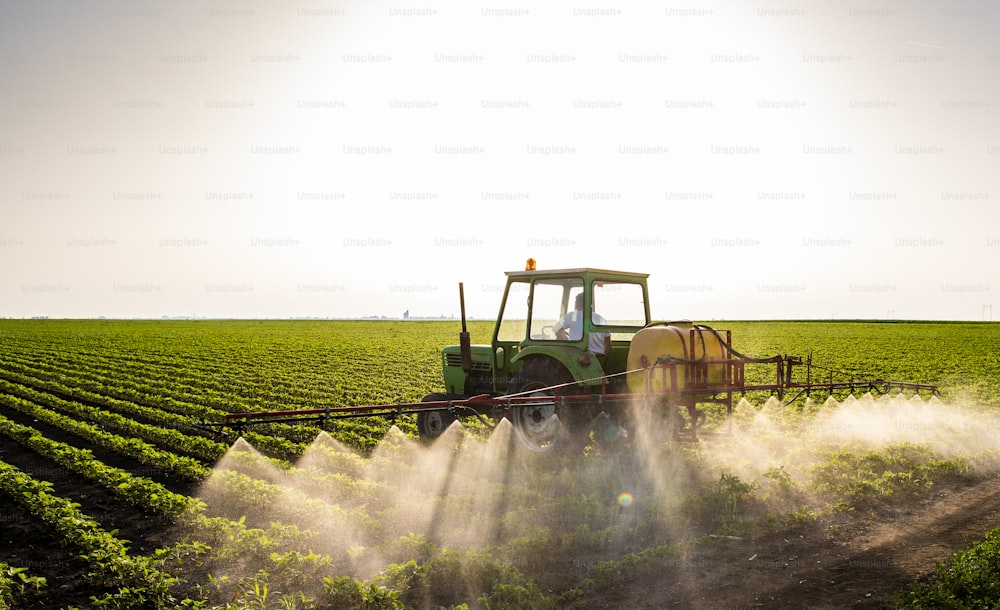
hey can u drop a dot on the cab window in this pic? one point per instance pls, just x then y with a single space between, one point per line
619 304
551 300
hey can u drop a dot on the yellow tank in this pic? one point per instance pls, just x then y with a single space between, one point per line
674 339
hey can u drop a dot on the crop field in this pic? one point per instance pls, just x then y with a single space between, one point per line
112 497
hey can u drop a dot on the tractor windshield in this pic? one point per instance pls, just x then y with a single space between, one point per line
619 304
551 300
541 306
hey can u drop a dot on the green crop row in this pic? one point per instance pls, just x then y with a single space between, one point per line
126 445
256 496
291 363
133 580
142 386
133 396
118 412
107 388
283 440
17 586
137 491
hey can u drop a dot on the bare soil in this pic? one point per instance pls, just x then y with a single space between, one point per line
847 561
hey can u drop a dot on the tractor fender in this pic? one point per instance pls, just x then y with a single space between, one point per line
580 364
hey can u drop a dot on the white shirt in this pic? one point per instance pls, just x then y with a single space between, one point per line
572 322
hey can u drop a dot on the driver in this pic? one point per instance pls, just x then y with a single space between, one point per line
570 328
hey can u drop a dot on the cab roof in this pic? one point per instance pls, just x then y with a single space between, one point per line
575 271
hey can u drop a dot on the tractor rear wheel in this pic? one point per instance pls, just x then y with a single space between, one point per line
430 424
544 427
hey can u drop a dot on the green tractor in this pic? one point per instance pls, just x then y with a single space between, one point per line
558 331
574 353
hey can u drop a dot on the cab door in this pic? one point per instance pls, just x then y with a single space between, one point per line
511 329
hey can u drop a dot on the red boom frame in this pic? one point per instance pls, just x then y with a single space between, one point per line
697 389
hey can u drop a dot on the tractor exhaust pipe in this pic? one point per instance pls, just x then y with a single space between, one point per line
465 344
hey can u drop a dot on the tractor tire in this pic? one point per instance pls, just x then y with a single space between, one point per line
545 428
431 424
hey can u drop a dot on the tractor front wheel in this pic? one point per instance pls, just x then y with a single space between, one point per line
430 424
542 427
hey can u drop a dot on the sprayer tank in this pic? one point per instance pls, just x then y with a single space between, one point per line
684 344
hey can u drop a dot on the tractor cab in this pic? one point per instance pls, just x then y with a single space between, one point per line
580 321
582 318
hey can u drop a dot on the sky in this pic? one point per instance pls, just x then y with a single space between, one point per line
765 160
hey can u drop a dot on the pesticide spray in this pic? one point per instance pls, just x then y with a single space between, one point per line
564 514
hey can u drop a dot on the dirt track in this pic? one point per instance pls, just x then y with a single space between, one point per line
843 562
